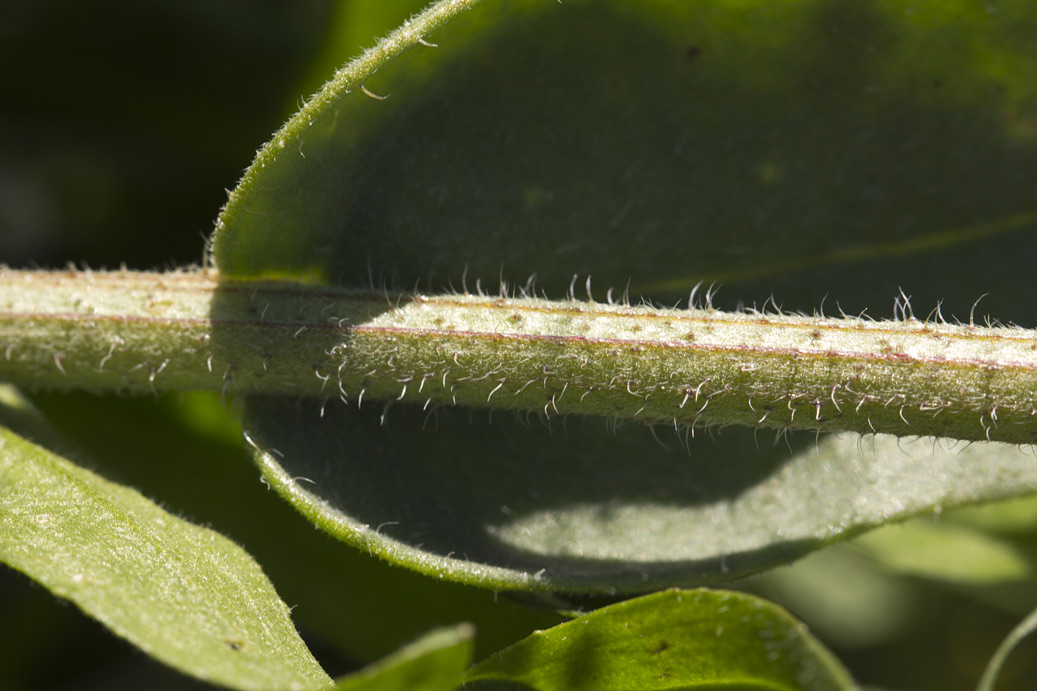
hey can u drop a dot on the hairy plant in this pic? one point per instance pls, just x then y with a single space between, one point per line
459 301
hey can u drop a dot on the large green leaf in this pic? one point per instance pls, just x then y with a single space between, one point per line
799 149
672 640
789 149
184 594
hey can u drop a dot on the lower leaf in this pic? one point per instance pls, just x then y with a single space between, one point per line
183 594
672 640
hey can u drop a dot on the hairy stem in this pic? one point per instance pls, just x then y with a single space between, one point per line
144 332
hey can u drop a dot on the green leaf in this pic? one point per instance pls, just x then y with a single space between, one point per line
790 149
847 601
697 639
1012 518
434 662
515 505
947 552
183 594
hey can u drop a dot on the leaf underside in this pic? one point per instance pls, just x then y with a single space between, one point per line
517 505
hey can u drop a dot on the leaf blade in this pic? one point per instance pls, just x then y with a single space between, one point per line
183 594
672 640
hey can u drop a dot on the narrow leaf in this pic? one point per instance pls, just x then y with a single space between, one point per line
435 662
672 640
183 594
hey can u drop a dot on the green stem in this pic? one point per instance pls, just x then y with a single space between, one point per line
1023 629
180 331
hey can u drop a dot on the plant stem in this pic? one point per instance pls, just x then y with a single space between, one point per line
142 332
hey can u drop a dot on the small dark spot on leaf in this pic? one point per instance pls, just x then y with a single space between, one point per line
234 644
815 335
690 336
691 53
661 648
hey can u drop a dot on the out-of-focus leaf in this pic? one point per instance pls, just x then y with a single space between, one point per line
983 553
511 506
1015 517
846 599
947 552
435 662
698 639
185 595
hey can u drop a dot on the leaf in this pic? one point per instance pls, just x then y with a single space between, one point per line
795 150
1015 517
671 640
183 594
513 505
792 151
847 601
434 662
947 552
